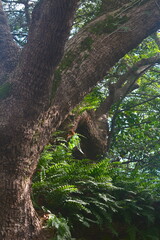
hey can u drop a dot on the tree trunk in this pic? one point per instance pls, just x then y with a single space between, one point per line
29 112
24 122
18 217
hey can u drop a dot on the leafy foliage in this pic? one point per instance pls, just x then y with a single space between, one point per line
61 226
135 137
95 194
88 10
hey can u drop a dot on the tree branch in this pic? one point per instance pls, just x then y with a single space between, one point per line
118 93
27 14
105 48
145 101
9 51
50 25
126 83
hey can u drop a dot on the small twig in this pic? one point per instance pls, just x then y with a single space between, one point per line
148 100
157 4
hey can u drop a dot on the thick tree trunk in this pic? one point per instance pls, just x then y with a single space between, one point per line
18 217
27 114
24 123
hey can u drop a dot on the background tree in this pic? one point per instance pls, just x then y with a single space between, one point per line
33 102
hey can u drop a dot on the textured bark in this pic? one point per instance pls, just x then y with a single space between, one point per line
28 97
27 115
109 5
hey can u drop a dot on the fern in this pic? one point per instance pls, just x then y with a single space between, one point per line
61 226
102 194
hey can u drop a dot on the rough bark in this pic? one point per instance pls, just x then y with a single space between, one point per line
26 98
27 114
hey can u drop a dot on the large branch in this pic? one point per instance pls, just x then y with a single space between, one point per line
8 49
49 30
92 52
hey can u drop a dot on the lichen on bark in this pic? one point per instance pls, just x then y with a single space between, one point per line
109 25
5 90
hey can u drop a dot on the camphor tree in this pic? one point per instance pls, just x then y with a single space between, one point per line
44 81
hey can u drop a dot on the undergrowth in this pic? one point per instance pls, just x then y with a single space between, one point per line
81 195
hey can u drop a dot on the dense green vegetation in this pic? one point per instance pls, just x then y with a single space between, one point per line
119 202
